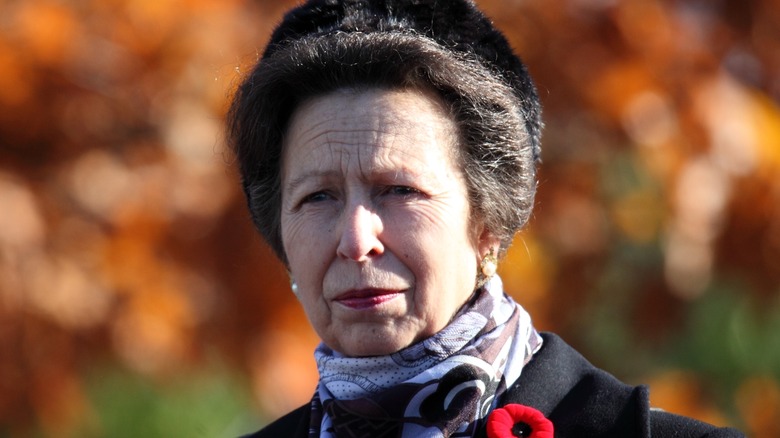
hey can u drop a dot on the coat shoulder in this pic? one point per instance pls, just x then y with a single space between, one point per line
665 424
584 401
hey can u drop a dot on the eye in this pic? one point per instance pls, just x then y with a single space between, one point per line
402 190
315 197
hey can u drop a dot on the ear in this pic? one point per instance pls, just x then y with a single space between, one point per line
487 243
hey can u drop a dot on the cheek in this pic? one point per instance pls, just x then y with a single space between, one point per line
442 251
437 227
299 229
294 232
307 246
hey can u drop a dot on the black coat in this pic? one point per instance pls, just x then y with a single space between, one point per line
581 401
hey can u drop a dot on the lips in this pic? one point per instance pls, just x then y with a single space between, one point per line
367 298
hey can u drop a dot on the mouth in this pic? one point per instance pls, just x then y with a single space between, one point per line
361 299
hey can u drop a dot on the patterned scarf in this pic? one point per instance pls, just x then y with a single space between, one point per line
440 387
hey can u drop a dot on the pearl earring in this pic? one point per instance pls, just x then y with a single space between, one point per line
487 268
293 285
488 265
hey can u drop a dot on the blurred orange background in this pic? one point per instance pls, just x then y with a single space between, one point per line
136 299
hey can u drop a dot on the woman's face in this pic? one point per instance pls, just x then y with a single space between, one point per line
375 219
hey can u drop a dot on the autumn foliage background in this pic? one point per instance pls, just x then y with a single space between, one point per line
136 300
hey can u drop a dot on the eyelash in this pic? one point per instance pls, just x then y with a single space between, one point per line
314 197
402 190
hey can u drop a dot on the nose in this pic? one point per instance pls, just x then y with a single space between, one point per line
360 235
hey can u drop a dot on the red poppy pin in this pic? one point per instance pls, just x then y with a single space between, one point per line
515 420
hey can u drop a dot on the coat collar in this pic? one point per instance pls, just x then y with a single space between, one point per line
580 399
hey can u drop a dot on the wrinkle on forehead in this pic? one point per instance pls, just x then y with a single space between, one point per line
341 135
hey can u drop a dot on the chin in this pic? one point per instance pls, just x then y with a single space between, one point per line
371 351
371 347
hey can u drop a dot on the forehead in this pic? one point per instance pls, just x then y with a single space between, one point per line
372 128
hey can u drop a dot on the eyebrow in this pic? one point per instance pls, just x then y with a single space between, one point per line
382 174
299 180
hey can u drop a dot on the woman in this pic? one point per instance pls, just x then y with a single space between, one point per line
387 151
